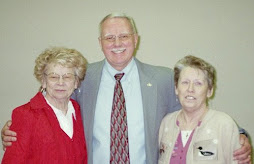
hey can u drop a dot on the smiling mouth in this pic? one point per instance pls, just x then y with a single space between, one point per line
118 51
190 98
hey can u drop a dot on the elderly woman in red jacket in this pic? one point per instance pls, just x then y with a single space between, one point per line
49 127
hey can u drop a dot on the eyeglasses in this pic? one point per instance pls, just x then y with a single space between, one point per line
112 38
54 77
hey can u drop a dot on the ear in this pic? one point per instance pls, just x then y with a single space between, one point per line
100 42
76 83
209 93
43 82
176 92
136 39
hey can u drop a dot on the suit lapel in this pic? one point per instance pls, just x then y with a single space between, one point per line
149 97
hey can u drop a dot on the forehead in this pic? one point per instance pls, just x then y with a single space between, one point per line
58 68
119 25
192 73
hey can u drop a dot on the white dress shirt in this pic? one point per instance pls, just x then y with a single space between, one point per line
135 119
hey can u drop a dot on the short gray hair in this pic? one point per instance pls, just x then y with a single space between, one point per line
118 15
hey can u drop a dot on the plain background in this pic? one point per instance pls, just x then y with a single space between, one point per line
219 31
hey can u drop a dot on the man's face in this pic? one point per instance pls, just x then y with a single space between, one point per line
118 51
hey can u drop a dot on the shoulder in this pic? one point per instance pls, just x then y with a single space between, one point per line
158 69
93 74
162 75
170 117
95 65
27 111
24 109
75 104
22 117
221 119
221 116
168 123
94 68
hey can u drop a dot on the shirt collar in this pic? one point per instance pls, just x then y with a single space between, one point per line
58 112
112 71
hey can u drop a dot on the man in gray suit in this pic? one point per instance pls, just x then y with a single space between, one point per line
148 90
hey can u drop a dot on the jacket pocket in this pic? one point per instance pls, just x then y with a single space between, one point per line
205 150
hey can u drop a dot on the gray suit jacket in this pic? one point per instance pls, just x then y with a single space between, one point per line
158 96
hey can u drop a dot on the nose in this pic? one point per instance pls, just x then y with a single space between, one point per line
60 80
191 87
117 41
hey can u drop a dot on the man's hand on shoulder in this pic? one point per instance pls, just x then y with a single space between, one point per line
243 154
7 135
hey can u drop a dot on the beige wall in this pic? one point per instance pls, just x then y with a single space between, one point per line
221 32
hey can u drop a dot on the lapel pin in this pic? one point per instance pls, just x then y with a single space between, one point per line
149 84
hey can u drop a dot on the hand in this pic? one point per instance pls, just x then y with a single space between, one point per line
7 135
243 154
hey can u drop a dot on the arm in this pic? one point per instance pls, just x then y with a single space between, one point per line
230 140
160 132
7 135
22 124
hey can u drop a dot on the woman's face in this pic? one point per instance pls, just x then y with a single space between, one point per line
60 82
193 89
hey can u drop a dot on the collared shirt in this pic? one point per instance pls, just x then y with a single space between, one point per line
65 121
134 107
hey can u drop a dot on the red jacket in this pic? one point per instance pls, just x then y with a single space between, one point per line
40 138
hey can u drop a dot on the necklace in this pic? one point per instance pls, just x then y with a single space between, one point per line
185 134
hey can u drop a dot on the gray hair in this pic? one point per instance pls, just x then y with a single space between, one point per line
118 15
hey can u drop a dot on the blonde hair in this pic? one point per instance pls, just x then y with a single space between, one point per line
66 57
198 63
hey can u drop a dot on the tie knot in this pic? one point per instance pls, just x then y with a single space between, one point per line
119 76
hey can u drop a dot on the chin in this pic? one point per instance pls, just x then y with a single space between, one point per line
189 108
60 97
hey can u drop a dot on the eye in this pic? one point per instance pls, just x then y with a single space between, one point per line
123 37
198 83
184 82
66 77
109 38
53 76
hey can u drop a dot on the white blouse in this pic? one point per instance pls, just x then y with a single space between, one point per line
65 121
